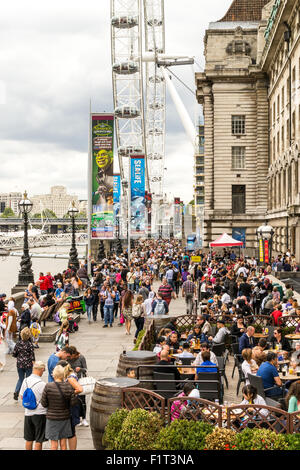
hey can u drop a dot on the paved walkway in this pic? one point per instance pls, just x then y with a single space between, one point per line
101 348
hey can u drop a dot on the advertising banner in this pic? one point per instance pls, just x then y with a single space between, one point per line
117 203
267 260
177 229
138 202
102 218
240 235
261 251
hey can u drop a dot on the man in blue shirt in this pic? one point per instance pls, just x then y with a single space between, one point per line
63 355
270 377
246 340
206 362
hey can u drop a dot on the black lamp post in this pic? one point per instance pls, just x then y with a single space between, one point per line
25 274
73 255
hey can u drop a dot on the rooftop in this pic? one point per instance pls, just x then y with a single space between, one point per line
233 24
245 10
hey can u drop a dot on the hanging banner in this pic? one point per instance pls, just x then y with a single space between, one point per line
102 217
148 197
177 229
138 202
117 204
267 260
261 251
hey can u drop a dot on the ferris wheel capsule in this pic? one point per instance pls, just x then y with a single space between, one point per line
127 112
124 22
129 150
125 68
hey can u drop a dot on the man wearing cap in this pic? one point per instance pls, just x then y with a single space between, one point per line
221 334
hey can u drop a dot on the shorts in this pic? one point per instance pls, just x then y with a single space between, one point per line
34 428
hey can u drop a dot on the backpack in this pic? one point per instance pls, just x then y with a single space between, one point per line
29 398
137 311
160 308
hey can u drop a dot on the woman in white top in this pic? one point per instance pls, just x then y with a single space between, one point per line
148 303
249 366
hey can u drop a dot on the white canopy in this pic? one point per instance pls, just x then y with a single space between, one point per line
225 240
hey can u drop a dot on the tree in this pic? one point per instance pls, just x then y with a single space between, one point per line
8 212
36 216
49 213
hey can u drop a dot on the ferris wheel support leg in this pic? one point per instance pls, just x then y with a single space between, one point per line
183 114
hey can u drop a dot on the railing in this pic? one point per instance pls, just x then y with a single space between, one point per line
133 398
237 417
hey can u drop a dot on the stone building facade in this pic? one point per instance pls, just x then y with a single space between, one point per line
57 201
280 61
234 93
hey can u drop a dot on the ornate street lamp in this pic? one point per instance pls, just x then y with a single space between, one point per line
265 237
25 274
73 255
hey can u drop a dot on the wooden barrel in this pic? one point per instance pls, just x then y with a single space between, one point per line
106 398
133 359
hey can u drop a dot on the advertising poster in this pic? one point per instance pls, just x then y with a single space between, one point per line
267 260
117 203
177 219
240 235
102 223
138 202
261 251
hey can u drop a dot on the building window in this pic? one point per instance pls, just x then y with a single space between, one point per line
282 139
238 124
200 179
238 158
293 125
238 199
199 160
200 200
199 170
282 98
278 106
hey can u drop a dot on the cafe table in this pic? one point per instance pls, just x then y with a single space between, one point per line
260 335
294 336
288 376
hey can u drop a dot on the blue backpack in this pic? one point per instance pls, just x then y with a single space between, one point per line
29 398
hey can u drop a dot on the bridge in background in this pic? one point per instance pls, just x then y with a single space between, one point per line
49 225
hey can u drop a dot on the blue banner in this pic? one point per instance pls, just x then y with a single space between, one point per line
138 201
239 234
117 203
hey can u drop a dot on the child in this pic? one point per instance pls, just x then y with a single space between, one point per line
36 330
130 373
62 337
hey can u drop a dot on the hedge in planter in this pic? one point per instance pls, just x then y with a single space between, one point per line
183 435
293 441
139 430
220 439
113 428
260 439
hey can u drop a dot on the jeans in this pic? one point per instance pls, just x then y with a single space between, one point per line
10 342
131 287
22 374
95 311
171 283
89 310
139 323
108 314
189 301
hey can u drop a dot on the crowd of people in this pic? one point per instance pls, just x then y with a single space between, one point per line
220 289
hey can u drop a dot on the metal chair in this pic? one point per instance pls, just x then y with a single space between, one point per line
222 366
257 382
218 349
210 386
242 378
165 389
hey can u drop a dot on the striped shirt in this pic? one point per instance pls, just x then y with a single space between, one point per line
165 291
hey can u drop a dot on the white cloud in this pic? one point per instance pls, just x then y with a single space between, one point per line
54 57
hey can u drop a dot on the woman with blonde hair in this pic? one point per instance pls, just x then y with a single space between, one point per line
58 397
71 377
249 366
24 352
63 312
138 313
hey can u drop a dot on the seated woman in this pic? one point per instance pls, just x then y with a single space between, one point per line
196 334
238 328
280 342
249 366
293 398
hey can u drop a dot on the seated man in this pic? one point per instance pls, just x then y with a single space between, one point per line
199 359
164 361
246 341
270 377
221 334
173 342
206 362
186 352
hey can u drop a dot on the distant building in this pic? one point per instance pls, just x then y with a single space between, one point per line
57 201
199 165
10 200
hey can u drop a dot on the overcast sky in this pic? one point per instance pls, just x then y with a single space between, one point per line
54 57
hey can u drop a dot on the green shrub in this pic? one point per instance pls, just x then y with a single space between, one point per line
113 428
182 434
139 430
139 340
293 441
220 439
260 439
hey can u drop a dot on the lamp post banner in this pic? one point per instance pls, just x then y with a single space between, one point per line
261 251
102 138
117 202
267 260
138 201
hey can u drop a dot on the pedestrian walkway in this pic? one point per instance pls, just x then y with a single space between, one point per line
101 348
